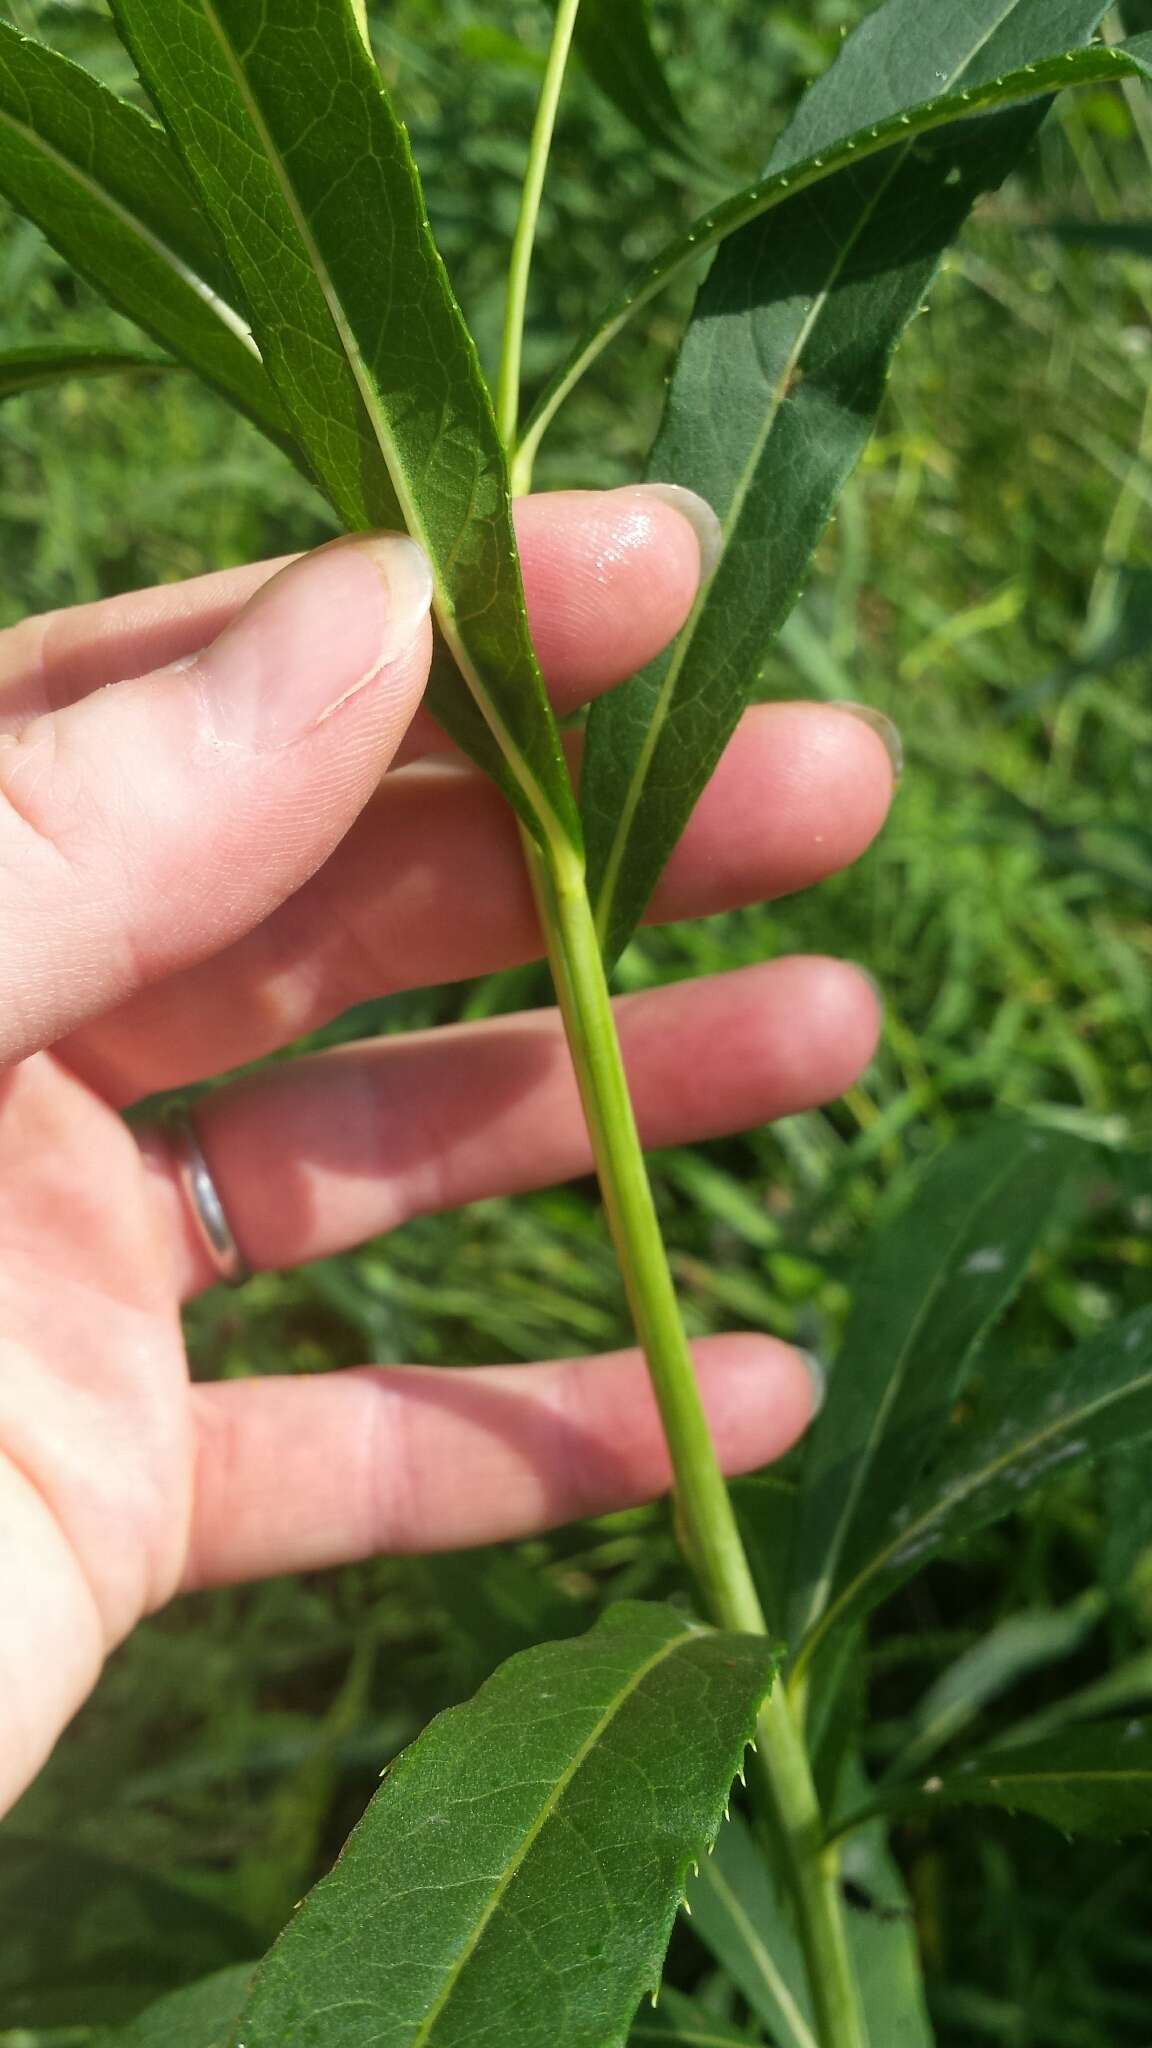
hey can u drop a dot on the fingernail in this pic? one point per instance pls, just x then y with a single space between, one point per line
700 516
879 723
312 638
819 1378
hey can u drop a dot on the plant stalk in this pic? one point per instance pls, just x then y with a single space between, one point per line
524 240
711 1536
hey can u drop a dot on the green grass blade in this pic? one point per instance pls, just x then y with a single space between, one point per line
1095 1400
787 359
1092 1781
28 369
517 1876
101 181
307 173
928 1291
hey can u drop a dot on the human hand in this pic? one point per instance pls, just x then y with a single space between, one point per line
198 867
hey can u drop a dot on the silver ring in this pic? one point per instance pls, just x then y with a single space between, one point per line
203 1198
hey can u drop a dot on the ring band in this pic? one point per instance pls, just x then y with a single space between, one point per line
203 1198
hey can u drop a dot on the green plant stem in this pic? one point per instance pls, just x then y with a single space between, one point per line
711 1536
524 240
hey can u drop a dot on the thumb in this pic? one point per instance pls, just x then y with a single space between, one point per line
154 822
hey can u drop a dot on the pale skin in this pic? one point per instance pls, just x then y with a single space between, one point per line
199 866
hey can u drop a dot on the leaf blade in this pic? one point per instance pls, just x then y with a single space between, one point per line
32 368
786 360
615 43
502 1807
1098 1397
929 1289
324 222
1094 1781
102 184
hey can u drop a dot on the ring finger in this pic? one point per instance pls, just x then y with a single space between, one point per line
316 1156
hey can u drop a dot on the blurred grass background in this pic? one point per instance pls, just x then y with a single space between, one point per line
989 584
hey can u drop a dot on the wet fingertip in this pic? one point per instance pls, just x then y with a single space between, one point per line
885 729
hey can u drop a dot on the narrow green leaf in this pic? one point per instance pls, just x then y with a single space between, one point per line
306 171
780 378
517 1875
27 369
677 2022
102 183
928 1290
1091 1781
614 40
1036 1423
1017 1646
87 1940
200 2016
1120 237
738 1915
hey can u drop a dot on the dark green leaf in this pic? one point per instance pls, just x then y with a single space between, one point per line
1036 1423
738 1913
517 1875
1090 1781
27 369
1021 1644
778 385
927 1293
102 182
200 2016
84 1939
614 39
1125 237
323 218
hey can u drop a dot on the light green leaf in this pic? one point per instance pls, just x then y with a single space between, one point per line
517 1875
27 369
928 1290
200 2016
614 40
781 375
1036 1423
85 1939
1022 1644
1127 1688
1091 1781
102 183
738 1913
678 2023
307 173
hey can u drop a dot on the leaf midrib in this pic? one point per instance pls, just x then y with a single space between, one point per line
226 314
732 516
962 1490
389 448
804 2037
532 1834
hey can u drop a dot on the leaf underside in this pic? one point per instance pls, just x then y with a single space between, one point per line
516 1878
308 176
